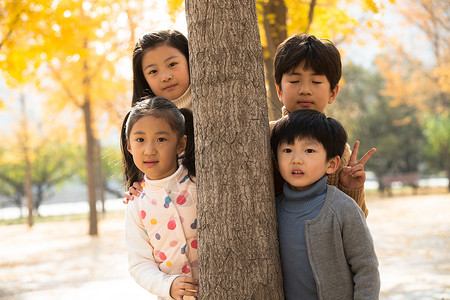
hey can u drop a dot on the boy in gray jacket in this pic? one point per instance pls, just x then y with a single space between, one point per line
326 248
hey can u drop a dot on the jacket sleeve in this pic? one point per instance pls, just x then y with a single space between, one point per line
358 195
141 262
360 252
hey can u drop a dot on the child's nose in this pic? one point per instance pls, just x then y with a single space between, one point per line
304 89
150 149
167 75
297 159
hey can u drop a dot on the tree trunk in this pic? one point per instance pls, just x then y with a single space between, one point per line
238 246
26 154
275 31
90 148
100 186
90 168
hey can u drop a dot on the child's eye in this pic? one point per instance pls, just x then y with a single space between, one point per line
309 151
173 64
317 82
294 81
287 150
160 140
152 72
139 140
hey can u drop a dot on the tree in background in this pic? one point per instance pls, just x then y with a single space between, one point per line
54 162
238 248
420 86
369 117
324 18
397 135
72 51
359 90
12 174
437 132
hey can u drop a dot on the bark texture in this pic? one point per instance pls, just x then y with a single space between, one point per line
274 22
238 246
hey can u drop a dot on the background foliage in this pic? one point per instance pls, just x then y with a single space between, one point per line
76 55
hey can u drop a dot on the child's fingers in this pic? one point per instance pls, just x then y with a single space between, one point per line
366 156
189 287
190 280
189 284
353 171
189 293
359 174
138 186
133 191
346 170
184 286
354 154
127 197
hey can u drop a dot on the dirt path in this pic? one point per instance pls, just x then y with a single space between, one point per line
60 261
412 239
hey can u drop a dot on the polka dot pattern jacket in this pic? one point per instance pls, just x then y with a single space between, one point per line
161 233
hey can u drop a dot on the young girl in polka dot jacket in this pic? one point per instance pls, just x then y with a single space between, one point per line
161 225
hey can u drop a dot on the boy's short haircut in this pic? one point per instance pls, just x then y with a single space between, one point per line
309 123
318 54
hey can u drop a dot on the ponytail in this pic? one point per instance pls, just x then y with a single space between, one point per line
188 158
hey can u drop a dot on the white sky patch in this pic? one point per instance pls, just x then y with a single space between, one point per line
363 48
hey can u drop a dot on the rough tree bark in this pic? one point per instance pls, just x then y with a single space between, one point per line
274 22
238 246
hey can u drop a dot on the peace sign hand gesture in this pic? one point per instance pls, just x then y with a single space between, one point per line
352 176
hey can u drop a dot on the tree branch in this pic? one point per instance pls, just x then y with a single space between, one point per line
11 27
312 5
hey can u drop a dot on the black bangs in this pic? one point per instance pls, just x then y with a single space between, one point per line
308 123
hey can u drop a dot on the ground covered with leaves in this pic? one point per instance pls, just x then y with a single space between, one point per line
58 260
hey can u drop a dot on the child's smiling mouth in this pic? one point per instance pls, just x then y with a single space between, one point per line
170 87
150 163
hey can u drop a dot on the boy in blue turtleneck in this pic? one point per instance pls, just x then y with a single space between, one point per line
326 248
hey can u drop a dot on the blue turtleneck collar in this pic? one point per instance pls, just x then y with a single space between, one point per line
307 199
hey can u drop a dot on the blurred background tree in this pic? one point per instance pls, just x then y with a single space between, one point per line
76 55
423 87
54 161
70 50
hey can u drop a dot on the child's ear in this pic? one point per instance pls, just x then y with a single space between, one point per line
182 144
333 94
333 164
129 148
279 93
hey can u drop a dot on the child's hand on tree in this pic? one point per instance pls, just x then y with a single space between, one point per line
183 286
352 176
134 190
